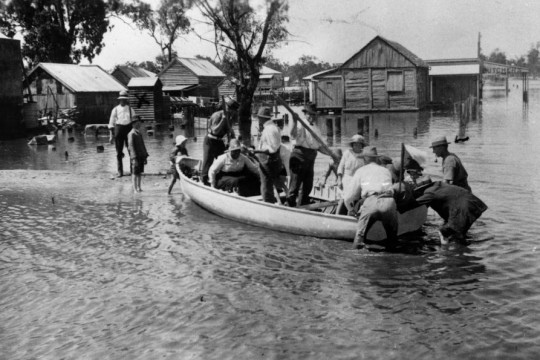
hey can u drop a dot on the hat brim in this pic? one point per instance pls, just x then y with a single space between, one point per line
264 117
440 144
234 149
123 98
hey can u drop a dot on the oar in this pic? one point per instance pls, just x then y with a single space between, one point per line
334 156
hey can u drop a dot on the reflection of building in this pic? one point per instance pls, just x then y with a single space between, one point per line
382 76
146 98
124 73
191 77
63 86
11 98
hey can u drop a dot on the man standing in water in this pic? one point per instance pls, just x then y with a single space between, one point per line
119 127
453 171
302 159
219 126
373 184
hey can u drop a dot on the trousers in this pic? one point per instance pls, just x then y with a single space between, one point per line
301 164
376 208
120 140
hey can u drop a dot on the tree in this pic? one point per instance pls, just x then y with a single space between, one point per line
307 65
165 25
533 57
62 31
243 34
497 56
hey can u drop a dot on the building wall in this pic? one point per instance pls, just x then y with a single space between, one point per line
147 102
329 93
208 87
176 75
11 99
227 88
378 55
95 108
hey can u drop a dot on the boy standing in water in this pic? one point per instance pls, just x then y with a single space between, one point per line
137 153
179 150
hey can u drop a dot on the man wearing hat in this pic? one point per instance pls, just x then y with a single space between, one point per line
453 171
119 127
302 160
458 207
372 183
219 126
234 170
268 154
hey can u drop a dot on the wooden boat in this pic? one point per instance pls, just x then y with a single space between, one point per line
298 221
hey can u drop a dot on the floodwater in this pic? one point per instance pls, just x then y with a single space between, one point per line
154 276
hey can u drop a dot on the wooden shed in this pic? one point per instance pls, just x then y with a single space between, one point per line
385 76
146 98
124 73
191 77
11 93
454 80
64 86
326 89
227 88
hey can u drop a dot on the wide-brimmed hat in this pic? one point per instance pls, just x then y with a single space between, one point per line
441 140
265 112
234 145
123 95
357 138
309 109
423 183
370 152
180 139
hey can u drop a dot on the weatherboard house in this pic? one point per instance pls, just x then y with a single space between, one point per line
382 76
64 86
191 77
146 98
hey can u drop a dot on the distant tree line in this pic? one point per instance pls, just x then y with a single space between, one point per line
531 60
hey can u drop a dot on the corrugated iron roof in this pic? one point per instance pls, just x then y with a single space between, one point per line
135 71
312 76
143 81
180 87
81 78
201 67
267 71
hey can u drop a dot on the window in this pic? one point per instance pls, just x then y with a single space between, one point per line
394 81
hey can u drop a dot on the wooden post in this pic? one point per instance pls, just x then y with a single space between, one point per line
366 128
337 127
330 131
360 126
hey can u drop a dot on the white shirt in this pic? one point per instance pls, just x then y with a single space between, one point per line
225 163
350 162
120 116
367 180
270 137
303 137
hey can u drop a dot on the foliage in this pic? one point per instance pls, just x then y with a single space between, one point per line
165 25
305 66
62 31
497 56
244 33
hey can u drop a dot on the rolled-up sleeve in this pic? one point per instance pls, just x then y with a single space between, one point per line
216 167
113 118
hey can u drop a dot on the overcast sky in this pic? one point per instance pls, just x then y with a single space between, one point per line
334 30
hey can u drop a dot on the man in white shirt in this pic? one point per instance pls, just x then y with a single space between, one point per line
119 127
373 184
234 171
302 159
268 154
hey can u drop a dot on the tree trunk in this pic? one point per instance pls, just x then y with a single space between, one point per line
245 101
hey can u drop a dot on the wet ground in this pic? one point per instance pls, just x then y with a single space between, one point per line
90 270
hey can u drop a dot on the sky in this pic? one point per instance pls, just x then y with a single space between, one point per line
334 30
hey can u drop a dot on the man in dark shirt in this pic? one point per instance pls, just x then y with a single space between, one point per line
219 126
458 207
453 171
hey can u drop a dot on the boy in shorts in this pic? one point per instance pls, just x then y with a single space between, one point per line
137 154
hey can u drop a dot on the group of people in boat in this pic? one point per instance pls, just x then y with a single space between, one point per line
374 187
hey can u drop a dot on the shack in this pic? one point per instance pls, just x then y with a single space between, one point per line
124 73
146 98
227 88
89 88
326 89
11 93
191 77
385 76
454 80
269 79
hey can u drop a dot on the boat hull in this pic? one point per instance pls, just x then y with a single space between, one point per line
290 220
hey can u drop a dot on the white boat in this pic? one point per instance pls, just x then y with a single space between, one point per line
298 221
